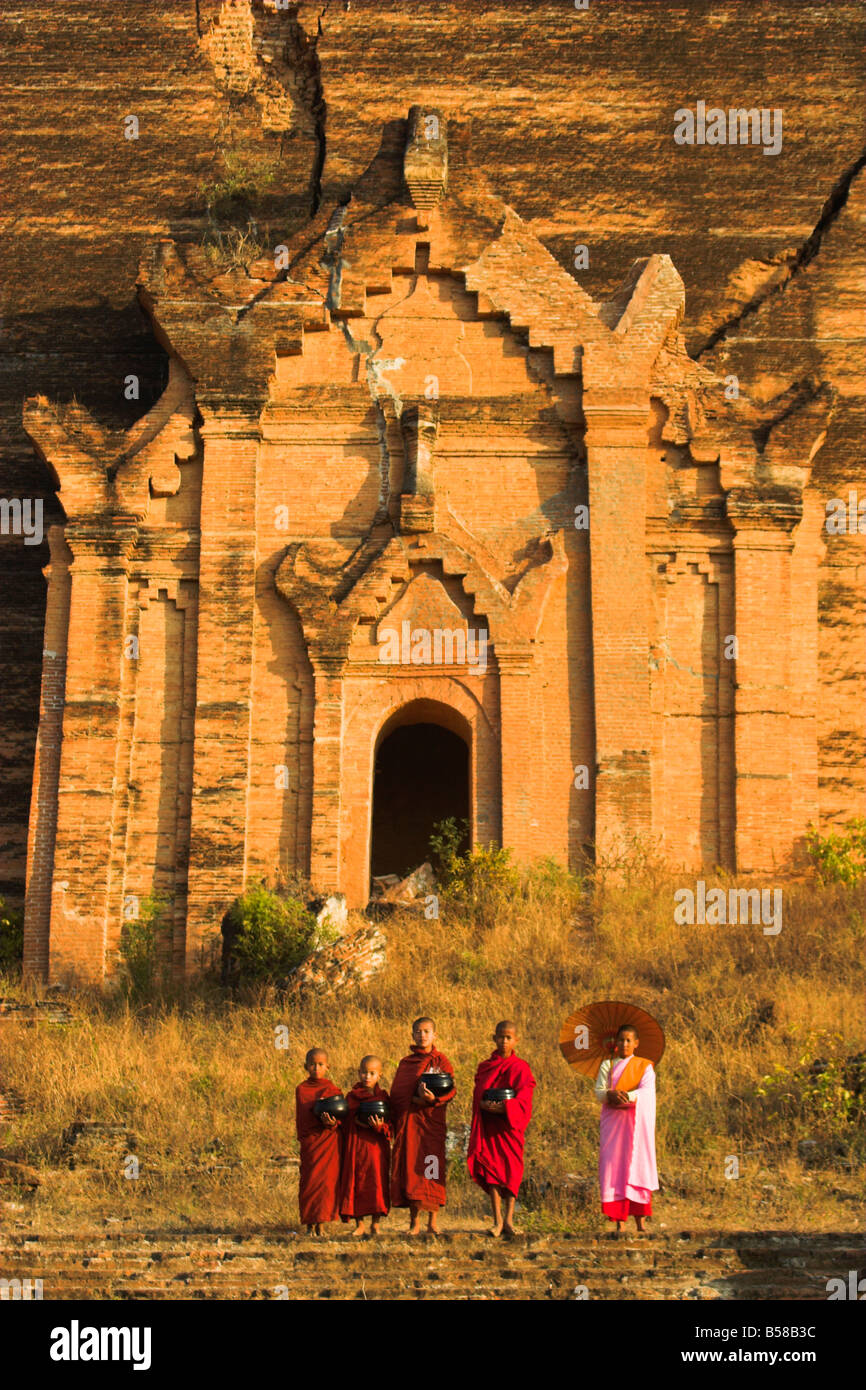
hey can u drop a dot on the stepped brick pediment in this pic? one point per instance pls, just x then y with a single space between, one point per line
358 267
314 581
423 604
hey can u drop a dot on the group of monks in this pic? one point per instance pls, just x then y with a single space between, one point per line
356 1168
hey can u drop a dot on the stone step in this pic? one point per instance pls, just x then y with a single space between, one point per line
347 1268
346 1265
220 1241
347 1253
461 1265
386 1283
509 1257
386 1288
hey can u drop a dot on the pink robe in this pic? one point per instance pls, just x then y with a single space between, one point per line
627 1161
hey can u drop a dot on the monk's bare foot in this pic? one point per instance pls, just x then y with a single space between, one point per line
414 1229
494 1232
311 1230
639 1224
432 1227
374 1230
360 1229
509 1233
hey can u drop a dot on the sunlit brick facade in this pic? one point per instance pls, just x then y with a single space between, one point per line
412 414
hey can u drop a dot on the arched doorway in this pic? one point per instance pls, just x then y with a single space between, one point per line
421 776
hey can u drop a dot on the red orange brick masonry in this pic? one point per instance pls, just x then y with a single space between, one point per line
423 418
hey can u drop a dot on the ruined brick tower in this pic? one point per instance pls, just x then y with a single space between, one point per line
412 421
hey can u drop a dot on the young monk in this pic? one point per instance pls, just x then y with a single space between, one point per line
418 1166
627 1175
496 1140
320 1139
364 1185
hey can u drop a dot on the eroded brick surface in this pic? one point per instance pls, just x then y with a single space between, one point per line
402 428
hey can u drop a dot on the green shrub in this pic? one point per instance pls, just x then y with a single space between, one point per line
269 934
546 881
839 858
480 883
449 840
470 968
826 1094
146 971
245 182
11 937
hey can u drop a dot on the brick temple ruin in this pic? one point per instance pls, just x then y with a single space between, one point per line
411 419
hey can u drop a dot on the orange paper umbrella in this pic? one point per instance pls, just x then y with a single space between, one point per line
588 1036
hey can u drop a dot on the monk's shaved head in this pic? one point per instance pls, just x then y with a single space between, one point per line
505 1037
371 1061
313 1053
423 1034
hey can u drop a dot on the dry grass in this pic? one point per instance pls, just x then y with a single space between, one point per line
209 1097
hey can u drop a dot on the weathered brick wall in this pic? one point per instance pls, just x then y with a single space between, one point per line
571 114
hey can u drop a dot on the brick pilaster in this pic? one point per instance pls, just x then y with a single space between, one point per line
762 718
42 828
88 765
326 858
616 440
521 748
226 626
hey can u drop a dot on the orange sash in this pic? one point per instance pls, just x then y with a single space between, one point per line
632 1073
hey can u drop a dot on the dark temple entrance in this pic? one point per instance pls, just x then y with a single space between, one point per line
421 776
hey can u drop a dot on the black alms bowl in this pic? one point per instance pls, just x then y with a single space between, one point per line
337 1106
499 1093
366 1108
439 1082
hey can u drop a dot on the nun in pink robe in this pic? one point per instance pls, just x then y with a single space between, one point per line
627 1160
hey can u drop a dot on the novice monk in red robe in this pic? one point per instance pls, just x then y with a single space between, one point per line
495 1155
364 1184
418 1167
320 1139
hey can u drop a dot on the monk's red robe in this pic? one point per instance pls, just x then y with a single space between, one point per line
418 1165
319 1180
364 1184
495 1154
